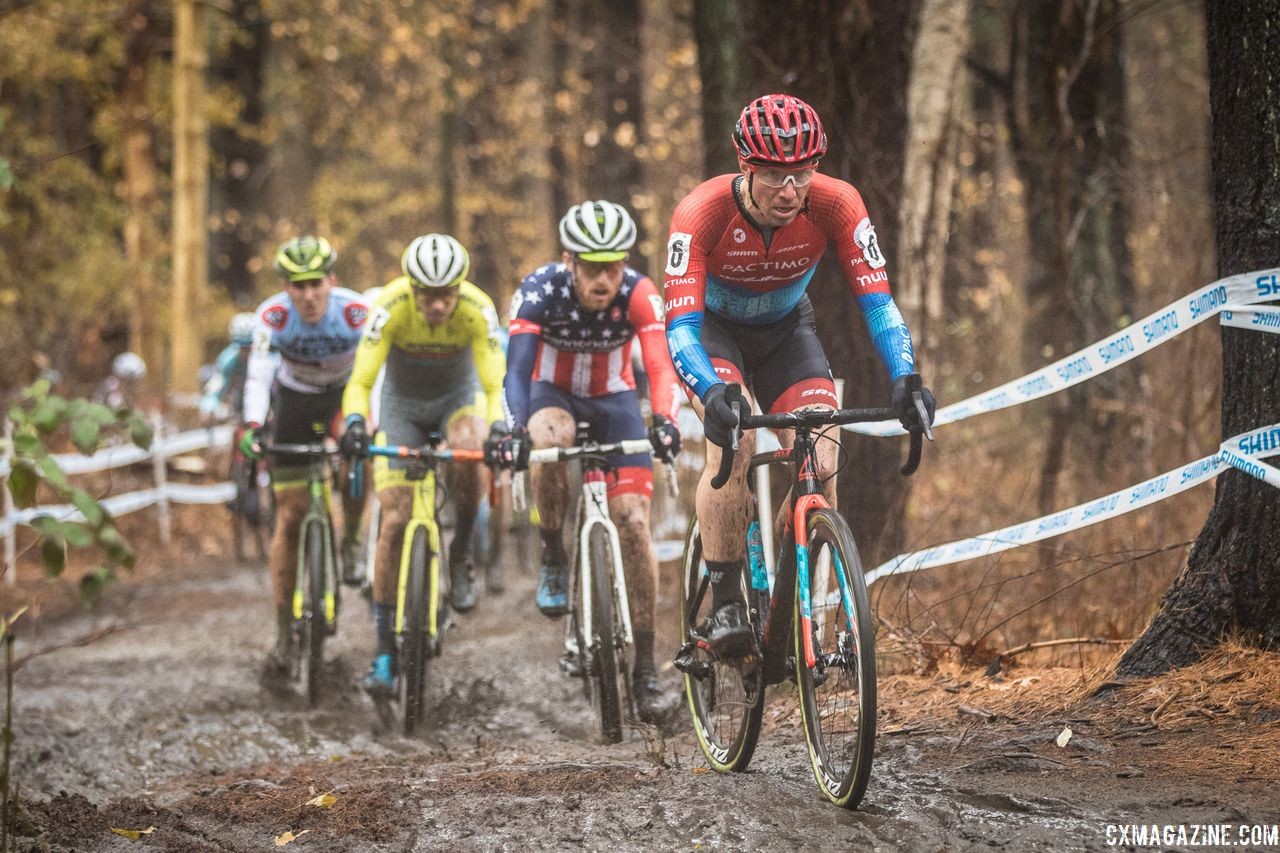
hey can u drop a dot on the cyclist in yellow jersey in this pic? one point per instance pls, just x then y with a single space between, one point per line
437 334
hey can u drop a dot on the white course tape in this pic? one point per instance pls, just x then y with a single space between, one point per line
1257 319
1241 451
1128 343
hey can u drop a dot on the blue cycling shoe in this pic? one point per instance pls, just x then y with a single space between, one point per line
380 683
552 599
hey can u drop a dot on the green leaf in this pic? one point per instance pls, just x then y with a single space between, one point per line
28 444
115 547
23 480
85 434
18 415
101 414
46 525
89 508
77 534
38 390
140 431
53 551
48 414
92 584
53 475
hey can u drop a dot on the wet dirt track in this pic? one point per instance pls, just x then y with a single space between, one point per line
163 724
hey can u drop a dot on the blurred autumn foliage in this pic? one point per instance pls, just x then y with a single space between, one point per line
1038 173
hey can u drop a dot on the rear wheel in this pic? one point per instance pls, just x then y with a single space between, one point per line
726 698
413 648
314 627
606 656
838 694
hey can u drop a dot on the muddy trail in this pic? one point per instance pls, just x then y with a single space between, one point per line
160 722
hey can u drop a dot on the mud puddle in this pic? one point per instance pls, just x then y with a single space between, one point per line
161 723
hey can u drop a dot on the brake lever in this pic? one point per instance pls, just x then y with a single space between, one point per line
922 412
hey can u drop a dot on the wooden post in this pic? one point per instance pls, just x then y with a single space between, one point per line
190 194
10 537
160 466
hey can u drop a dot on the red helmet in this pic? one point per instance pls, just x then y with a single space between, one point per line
779 130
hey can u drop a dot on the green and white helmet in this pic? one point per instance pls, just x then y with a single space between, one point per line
435 260
305 258
598 231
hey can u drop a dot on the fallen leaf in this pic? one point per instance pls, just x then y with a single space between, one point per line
702 770
133 834
288 837
323 801
1064 737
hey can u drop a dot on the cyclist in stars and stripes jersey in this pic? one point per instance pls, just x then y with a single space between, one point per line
569 360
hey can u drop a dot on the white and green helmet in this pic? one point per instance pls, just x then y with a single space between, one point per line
305 258
435 260
598 231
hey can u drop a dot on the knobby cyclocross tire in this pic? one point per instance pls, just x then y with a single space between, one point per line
313 613
727 702
413 648
605 654
837 696
240 478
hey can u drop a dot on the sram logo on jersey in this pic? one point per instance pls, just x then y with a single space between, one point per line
355 314
678 253
275 316
865 236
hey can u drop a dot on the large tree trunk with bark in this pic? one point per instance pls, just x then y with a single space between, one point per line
1231 582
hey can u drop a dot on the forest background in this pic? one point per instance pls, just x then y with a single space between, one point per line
1038 173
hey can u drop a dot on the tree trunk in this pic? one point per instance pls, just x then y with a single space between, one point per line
239 158
1231 582
935 96
138 163
1066 117
718 29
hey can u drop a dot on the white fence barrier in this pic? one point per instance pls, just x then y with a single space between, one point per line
163 448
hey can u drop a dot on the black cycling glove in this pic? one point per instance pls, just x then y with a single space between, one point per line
719 421
665 438
905 408
355 441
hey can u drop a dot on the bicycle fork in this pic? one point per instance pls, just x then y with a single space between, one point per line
316 514
595 504
422 516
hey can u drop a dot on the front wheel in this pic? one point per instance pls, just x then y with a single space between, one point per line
726 698
606 655
415 639
314 627
838 690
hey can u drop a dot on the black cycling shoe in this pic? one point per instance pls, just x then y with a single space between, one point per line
462 585
652 703
729 631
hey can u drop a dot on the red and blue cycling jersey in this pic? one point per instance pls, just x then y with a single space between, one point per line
586 353
719 261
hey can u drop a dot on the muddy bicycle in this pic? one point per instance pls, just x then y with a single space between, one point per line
419 601
598 635
315 599
815 626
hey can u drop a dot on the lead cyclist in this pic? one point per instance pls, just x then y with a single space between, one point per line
741 252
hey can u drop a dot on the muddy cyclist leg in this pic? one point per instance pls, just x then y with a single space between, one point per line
552 427
467 482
